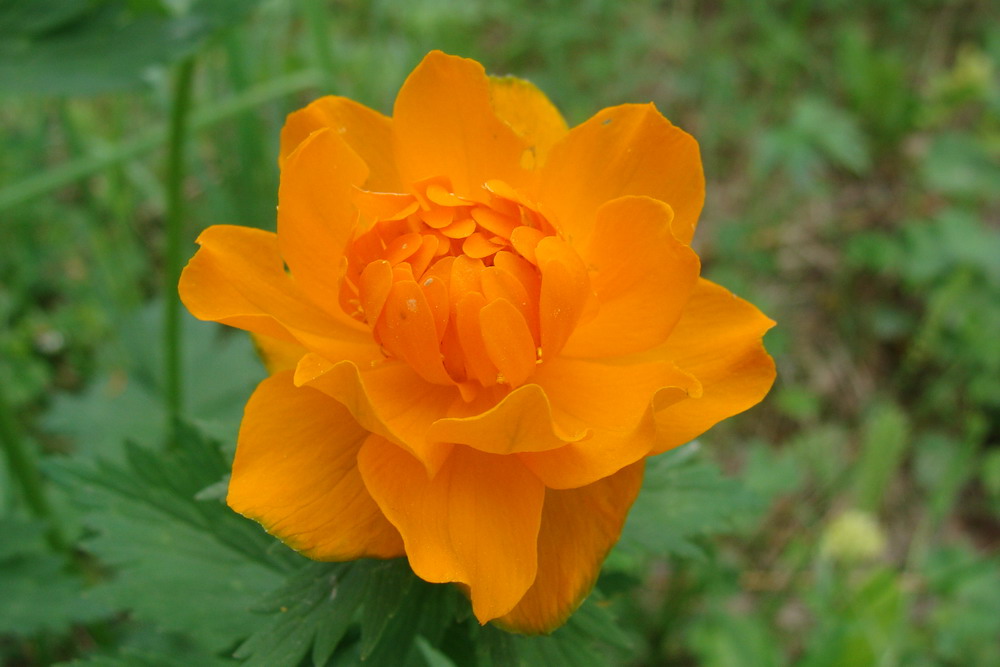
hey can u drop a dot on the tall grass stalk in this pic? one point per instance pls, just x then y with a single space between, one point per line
172 342
22 467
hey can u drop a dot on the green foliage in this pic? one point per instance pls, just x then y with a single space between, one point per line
208 565
965 591
883 446
684 499
852 154
61 48
30 572
125 400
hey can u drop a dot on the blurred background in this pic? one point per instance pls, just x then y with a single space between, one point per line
852 155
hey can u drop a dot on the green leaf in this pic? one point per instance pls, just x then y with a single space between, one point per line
965 590
590 637
398 607
103 46
683 499
313 611
726 639
887 432
372 610
174 656
432 656
185 565
220 371
40 593
961 165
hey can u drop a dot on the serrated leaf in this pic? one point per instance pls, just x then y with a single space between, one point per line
683 499
312 612
39 592
186 566
494 648
399 607
389 585
590 637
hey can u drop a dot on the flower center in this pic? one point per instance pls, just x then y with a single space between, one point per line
451 285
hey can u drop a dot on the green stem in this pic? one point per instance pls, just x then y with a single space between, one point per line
317 16
24 470
83 167
176 144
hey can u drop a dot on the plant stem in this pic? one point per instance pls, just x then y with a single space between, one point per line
88 165
176 144
317 16
23 469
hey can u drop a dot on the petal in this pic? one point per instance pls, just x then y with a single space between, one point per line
316 214
623 150
408 330
520 422
389 399
444 125
476 522
278 355
296 472
367 132
237 278
642 275
579 527
508 341
565 293
718 340
530 113
616 403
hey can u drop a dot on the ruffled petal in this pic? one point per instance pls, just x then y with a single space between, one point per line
237 278
521 422
389 399
579 527
616 404
316 214
476 522
367 132
444 125
625 150
718 340
530 113
642 275
296 472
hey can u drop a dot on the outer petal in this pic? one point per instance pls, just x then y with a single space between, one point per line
475 523
579 527
367 132
718 340
389 399
526 109
444 125
278 355
317 217
623 150
642 275
237 278
616 403
296 473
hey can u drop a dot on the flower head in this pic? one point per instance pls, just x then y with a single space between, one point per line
479 324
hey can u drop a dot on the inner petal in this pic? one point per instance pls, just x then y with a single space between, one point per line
456 288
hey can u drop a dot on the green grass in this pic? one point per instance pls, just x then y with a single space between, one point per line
852 152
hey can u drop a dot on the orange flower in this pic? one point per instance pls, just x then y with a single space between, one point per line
479 324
